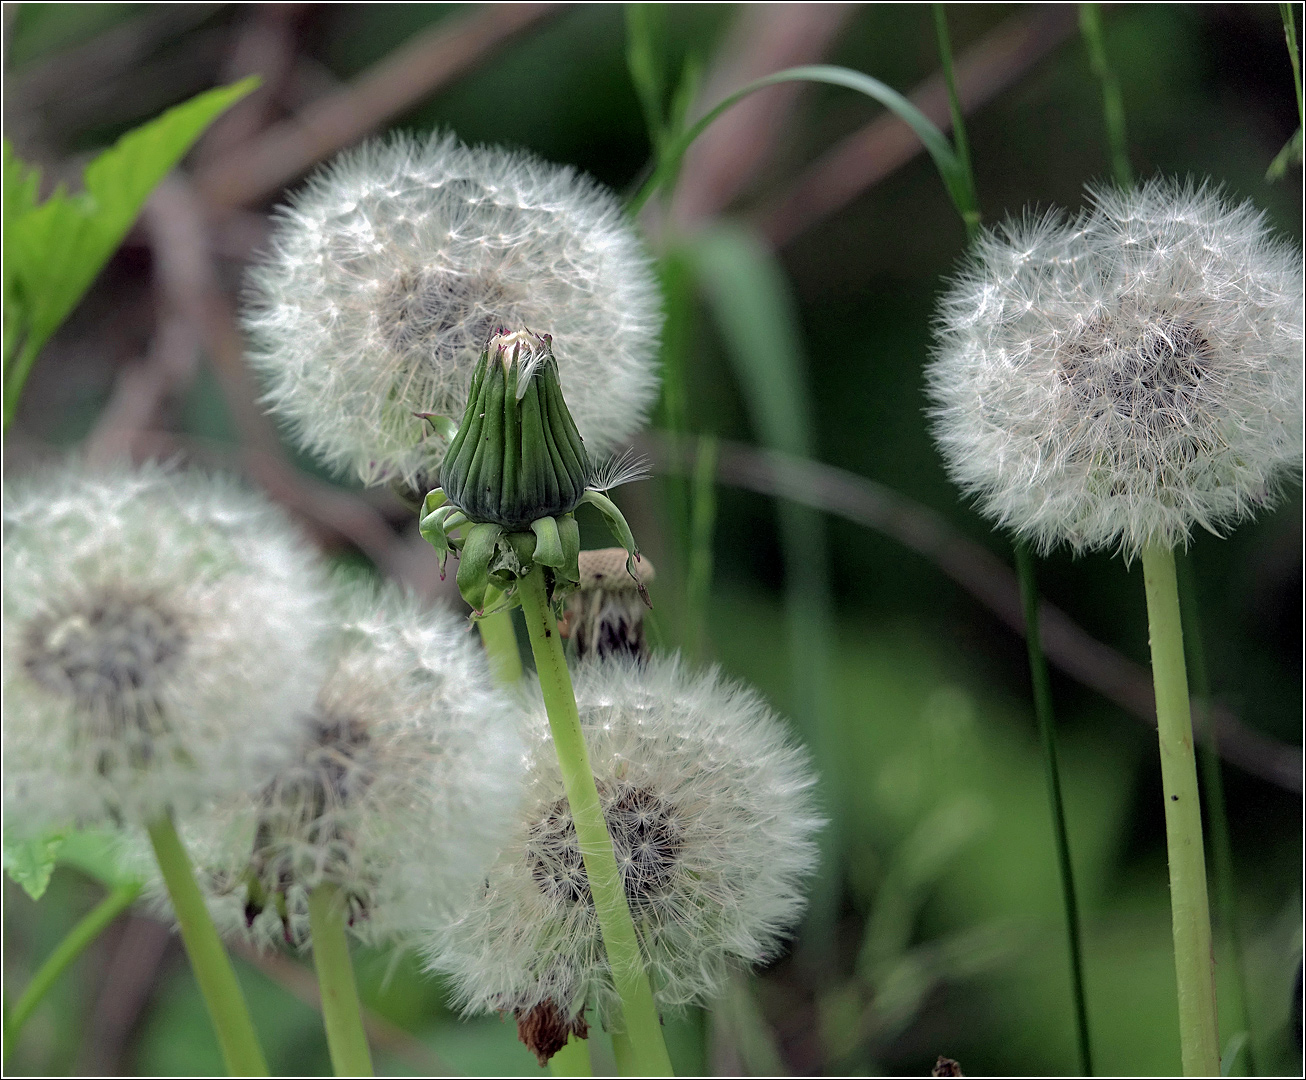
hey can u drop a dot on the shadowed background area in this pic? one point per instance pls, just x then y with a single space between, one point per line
938 928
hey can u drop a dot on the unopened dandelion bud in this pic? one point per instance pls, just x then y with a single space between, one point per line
161 633
605 615
710 810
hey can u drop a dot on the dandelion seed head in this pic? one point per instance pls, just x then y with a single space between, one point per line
712 820
1115 379
394 265
403 785
160 632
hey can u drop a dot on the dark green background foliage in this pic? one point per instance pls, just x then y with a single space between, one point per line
948 935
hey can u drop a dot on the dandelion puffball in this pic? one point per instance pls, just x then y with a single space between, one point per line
712 819
402 789
1113 380
160 633
392 267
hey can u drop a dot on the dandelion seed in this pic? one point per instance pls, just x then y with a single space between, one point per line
403 787
1113 380
160 634
393 266
711 815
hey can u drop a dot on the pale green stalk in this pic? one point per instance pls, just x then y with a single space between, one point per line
573 1059
702 521
1194 970
1289 13
88 928
1113 107
500 641
642 1024
208 959
342 1014
624 1052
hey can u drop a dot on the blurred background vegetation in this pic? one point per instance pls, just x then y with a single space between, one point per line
938 929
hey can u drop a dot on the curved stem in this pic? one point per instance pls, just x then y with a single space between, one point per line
88 928
1038 672
342 1015
1113 108
500 641
573 1059
208 959
1194 971
642 1025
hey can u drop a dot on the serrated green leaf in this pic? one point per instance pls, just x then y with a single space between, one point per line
53 251
30 862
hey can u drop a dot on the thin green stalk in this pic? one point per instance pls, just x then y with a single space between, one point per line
702 522
1090 26
500 641
1217 813
642 1024
573 1059
1047 730
624 1051
342 1014
1289 14
208 959
88 928
1194 970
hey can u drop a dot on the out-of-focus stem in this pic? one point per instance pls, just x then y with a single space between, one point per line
500 641
342 1015
1113 107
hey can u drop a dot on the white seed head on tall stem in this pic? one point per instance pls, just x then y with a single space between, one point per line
1115 379
712 819
392 267
161 633
403 787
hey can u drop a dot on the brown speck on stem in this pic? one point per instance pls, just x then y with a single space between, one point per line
946 1067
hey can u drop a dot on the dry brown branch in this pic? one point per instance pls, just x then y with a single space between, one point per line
381 1033
982 574
430 60
886 144
765 39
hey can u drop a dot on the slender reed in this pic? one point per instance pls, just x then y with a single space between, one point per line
1183 818
702 523
342 1014
1090 25
1289 14
1037 663
208 959
648 1055
88 928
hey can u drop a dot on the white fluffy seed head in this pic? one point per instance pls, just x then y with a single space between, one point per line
160 641
713 823
1113 380
403 787
396 262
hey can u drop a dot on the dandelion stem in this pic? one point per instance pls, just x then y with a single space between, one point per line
500 641
88 928
342 1015
1217 813
1289 13
1090 26
624 1052
702 520
208 959
642 1025
1038 672
573 1059
1194 970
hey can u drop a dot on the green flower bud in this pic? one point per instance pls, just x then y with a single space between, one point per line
517 456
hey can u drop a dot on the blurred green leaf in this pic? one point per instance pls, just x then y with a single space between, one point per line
96 853
1290 154
30 862
53 251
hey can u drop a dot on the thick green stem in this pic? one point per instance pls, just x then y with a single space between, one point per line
1038 672
1113 106
342 1015
1217 814
573 1059
1194 969
208 959
642 1024
624 1051
500 641
88 928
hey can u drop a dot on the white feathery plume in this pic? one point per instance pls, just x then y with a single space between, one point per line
394 265
404 784
1113 380
161 633
712 819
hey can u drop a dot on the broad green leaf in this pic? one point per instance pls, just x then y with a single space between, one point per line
30 862
53 251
